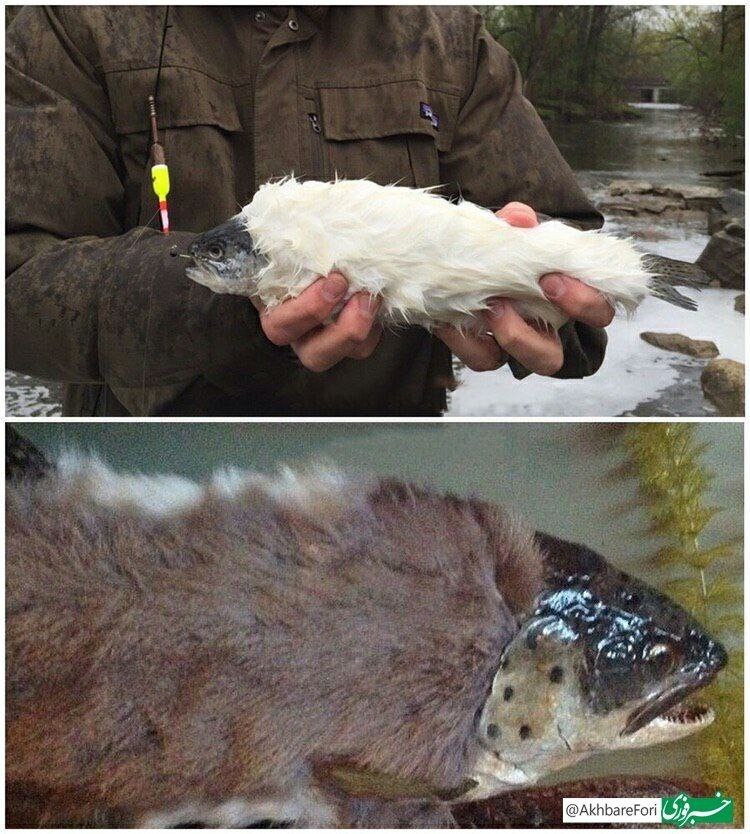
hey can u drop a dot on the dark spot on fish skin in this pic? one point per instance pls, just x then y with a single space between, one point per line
493 731
508 693
531 640
525 731
556 674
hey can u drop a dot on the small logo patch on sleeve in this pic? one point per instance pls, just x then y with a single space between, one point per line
426 112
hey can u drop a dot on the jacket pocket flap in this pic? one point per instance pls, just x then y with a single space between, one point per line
186 97
389 109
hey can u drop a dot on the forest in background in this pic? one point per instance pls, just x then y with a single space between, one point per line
577 61
580 62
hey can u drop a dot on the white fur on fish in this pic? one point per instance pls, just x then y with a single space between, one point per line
430 260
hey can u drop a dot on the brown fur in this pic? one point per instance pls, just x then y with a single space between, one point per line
224 651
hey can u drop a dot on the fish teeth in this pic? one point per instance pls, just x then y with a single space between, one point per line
687 714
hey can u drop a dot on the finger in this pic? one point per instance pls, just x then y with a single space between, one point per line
323 348
292 319
539 351
478 353
579 301
519 214
362 351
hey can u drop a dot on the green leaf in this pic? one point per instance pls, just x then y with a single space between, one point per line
688 592
703 558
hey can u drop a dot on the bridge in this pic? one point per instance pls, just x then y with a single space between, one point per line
650 90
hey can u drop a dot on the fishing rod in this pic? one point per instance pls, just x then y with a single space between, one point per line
159 169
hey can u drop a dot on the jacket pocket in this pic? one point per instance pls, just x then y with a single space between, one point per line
198 125
391 132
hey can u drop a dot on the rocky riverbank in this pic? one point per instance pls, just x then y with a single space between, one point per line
722 380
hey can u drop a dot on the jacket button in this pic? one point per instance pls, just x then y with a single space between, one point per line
260 16
293 25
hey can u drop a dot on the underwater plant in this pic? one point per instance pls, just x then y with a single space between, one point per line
674 482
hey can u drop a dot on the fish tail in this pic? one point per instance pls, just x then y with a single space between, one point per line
668 273
664 290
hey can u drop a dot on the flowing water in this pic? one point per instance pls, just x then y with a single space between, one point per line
664 146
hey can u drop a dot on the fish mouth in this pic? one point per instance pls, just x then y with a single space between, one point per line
667 709
204 272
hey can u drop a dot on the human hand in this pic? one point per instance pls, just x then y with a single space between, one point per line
537 348
301 323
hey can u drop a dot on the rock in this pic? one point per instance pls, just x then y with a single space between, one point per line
739 303
723 382
701 348
617 207
642 197
717 220
724 256
642 204
618 187
657 204
734 203
703 197
724 173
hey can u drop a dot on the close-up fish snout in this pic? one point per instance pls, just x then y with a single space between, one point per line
225 258
223 241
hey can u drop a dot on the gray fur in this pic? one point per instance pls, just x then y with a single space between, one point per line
230 650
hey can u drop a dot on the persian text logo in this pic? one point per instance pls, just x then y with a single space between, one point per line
683 810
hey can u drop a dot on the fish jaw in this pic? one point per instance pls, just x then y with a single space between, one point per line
677 722
494 775
225 259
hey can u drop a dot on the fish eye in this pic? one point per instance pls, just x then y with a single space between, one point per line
556 674
215 252
661 656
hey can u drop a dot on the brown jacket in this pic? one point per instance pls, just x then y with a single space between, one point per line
93 297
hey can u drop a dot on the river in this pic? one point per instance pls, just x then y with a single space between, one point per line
665 145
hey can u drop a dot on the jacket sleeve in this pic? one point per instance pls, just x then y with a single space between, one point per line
87 301
501 152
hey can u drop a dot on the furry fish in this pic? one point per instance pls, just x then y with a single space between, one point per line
314 649
431 261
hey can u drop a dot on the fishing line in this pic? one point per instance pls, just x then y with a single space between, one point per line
146 227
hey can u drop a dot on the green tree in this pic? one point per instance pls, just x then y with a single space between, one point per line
706 47
579 60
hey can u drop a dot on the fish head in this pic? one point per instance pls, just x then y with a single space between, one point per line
225 258
602 662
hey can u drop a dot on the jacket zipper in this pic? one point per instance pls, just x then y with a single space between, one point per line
317 146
